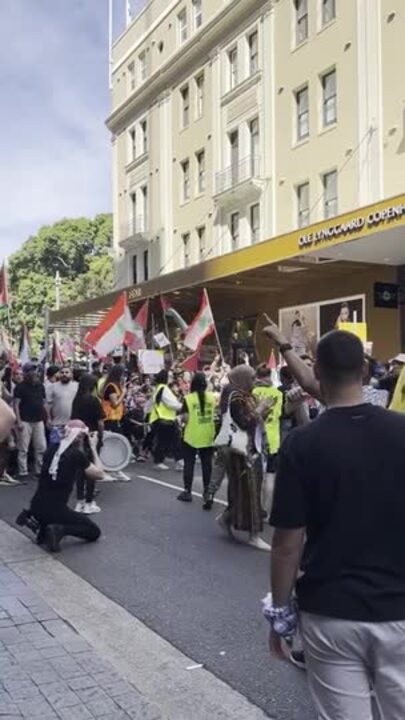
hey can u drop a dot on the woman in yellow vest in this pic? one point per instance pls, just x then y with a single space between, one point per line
113 399
166 436
199 433
265 390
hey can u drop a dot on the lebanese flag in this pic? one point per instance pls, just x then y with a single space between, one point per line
3 286
202 325
135 337
112 331
191 363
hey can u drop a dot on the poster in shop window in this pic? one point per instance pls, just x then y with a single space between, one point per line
343 310
300 325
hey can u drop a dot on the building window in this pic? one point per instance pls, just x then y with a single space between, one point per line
199 95
301 20
185 106
146 265
143 221
328 11
197 10
254 145
253 42
234 152
234 229
329 98
131 76
201 242
254 218
185 170
142 66
233 67
134 269
302 105
186 249
182 22
133 213
201 171
303 204
144 134
330 196
132 143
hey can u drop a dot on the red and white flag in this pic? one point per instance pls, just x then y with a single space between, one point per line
113 329
58 357
3 285
202 325
135 337
191 363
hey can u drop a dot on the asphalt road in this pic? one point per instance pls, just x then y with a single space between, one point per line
171 566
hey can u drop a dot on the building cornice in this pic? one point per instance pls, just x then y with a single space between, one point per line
185 57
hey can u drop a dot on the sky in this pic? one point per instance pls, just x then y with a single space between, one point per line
55 151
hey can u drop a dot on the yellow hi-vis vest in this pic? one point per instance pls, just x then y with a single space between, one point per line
200 428
159 410
272 425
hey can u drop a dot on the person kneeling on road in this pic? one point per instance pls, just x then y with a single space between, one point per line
49 506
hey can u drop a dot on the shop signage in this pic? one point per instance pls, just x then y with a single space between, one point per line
134 293
352 227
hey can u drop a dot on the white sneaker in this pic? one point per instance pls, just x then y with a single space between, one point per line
80 506
256 542
91 508
123 476
179 466
161 466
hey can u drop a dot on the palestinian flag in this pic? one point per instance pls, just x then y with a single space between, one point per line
191 363
202 325
170 312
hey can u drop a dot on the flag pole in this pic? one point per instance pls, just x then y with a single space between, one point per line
215 330
166 324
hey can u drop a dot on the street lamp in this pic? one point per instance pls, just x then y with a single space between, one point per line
58 282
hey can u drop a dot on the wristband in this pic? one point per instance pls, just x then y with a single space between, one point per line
283 620
285 347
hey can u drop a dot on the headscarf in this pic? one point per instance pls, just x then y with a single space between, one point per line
398 399
240 378
73 430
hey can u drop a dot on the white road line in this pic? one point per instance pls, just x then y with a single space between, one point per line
175 487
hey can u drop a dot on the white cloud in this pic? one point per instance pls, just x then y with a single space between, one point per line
54 148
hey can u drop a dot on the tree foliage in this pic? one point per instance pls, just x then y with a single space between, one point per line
79 249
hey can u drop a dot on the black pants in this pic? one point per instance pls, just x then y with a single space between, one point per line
85 487
73 523
190 454
166 441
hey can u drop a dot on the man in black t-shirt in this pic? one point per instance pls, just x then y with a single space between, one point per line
339 502
30 410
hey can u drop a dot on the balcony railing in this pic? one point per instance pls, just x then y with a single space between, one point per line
237 173
135 226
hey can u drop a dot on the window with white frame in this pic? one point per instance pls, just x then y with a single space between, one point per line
254 145
142 66
143 220
200 156
144 136
233 67
186 249
253 44
302 110
131 76
301 21
234 229
199 95
132 143
254 221
185 106
146 265
201 242
133 202
185 180
182 25
197 13
303 204
328 11
330 195
329 98
134 269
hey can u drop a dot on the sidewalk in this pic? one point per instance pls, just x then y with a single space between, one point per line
68 652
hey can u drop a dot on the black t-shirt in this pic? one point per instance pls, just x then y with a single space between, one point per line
50 492
89 410
32 397
342 477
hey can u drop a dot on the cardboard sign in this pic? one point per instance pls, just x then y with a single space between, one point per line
151 362
161 340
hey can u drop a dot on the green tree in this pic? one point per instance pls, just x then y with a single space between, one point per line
79 249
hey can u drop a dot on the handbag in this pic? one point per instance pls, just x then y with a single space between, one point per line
231 435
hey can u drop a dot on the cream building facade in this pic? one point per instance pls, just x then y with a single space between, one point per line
234 121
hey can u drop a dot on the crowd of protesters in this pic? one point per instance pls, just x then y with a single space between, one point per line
316 436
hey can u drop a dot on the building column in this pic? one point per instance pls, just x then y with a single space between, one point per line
166 183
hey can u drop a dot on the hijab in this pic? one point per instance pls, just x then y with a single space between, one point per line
240 379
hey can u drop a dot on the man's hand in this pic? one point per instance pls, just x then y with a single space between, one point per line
273 332
276 645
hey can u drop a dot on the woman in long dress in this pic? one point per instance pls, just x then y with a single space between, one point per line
244 473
